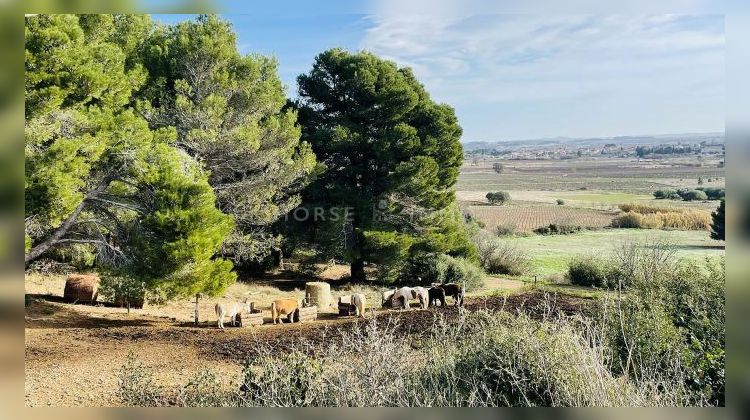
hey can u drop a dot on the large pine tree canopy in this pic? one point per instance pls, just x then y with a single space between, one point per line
391 154
227 110
103 89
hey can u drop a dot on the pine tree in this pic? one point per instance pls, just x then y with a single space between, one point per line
229 113
392 156
97 175
717 225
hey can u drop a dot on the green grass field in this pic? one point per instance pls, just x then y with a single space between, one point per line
551 254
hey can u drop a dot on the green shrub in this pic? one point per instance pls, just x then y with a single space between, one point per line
588 271
693 195
713 193
558 229
500 257
458 270
499 197
507 229
666 195
124 292
519 362
718 222
560 202
671 328
292 376
441 268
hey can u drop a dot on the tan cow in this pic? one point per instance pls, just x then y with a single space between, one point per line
423 295
285 307
359 302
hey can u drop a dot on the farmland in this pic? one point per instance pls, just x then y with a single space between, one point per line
591 189
605 175
530 217
551 254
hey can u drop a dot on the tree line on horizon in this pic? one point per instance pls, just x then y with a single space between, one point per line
162 155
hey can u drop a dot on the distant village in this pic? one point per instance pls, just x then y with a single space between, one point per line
695 147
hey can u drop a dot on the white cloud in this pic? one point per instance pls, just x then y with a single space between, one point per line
580 62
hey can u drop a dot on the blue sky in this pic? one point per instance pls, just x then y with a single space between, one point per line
521 76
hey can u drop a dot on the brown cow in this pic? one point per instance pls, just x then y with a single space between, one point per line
286 307
454 290
437 295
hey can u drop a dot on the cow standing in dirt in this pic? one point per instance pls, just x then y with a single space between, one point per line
286 307
358 300
232 309
457 292
437 295
423 295
387 298
402 296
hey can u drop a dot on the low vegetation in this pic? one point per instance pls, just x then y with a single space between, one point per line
558 229
499 197
654 217
497 256
662 345
698 194
717 222
458 270
672 325
506 229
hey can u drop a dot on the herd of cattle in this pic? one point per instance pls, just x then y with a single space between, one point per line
393 298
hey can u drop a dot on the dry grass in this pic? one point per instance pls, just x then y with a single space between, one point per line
656 217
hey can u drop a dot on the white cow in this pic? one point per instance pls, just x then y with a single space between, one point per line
402 296
387 299
423 295
231 309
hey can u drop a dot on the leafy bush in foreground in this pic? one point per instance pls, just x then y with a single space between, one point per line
459 270
442 268
501 360
672 325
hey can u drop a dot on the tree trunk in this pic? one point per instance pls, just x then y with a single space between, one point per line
358 270
48 243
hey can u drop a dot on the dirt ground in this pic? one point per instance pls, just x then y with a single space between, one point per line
73 352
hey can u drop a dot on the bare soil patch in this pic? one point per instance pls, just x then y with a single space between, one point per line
72 356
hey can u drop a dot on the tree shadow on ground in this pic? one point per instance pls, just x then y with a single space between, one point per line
46 311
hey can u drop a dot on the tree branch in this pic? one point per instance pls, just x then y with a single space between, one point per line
57 235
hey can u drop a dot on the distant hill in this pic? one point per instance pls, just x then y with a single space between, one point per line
620 140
